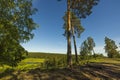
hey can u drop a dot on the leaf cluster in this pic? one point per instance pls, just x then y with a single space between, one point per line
75 24
83 8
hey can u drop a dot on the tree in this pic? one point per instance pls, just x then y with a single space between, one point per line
16 26
87 47
76 29
91 44
84 50
81 8
111 48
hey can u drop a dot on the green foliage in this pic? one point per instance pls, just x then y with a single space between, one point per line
111 48
50 60
30 63
75 23
16 26
91 43
55 63
87 47
82 8
98 55
13 54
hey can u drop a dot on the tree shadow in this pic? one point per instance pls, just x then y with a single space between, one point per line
91 71
102 71
7 72
13 75
58 74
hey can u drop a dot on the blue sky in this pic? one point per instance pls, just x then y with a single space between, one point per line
104 21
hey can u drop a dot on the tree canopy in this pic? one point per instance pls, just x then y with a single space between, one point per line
111 48
87 47
16 26
83 8
75 23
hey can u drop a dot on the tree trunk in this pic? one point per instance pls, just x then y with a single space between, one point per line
69 56
75 47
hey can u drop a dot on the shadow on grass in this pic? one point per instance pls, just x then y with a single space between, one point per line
92 71
58 74
7 72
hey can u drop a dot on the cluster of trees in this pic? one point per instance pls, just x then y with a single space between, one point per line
87 48
16 27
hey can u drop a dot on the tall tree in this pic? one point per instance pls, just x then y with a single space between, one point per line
76 29
111 48
81 8
69 55
16 26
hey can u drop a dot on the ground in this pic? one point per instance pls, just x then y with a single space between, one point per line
92 71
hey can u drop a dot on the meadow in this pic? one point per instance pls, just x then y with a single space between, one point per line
48 66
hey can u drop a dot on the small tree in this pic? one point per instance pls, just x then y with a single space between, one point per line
111 48
91 44
86 48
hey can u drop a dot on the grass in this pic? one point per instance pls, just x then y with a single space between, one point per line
106 60
33 60
44 55
30 63
26 64
30 69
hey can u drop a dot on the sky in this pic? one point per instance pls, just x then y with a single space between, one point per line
104 21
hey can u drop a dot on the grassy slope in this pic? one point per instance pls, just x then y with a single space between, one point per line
101 68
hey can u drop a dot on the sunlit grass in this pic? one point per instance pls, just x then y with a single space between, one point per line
106 60
4 67
26 64
30 63
27 60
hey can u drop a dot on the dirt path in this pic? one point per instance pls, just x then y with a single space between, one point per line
102 71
